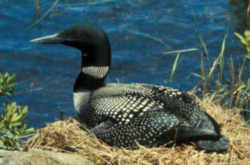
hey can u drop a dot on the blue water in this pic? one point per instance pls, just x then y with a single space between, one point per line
45 74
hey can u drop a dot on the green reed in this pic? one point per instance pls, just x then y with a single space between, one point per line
233 92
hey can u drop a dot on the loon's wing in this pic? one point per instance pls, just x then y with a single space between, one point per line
146 130
122 102
152 129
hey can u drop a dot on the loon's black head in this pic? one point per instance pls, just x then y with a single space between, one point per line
94 45
91 40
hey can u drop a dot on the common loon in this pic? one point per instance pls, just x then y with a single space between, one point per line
123 114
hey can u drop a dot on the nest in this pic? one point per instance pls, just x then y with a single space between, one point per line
68 136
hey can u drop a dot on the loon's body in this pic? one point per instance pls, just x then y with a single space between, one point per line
123 114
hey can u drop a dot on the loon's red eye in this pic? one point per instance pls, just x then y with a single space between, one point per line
78 35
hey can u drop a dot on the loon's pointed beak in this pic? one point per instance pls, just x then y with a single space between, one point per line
49 39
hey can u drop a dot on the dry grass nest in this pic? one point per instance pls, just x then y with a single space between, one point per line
68 136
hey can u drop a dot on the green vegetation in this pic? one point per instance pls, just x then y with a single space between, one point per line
232 91
12 124
6 84
245 40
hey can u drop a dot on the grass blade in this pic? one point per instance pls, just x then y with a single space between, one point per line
148 36
174 67
221 58
241 69
232 71
248 56
37 8
181 51
45 14
202 42
204 75
198 75
242 39
211 71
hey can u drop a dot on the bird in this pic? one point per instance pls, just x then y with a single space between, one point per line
124 115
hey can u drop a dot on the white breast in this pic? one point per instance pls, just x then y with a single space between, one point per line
81 101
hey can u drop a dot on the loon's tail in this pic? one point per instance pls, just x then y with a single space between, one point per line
212 145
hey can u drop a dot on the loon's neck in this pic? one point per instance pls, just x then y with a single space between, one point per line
94 69
88 82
